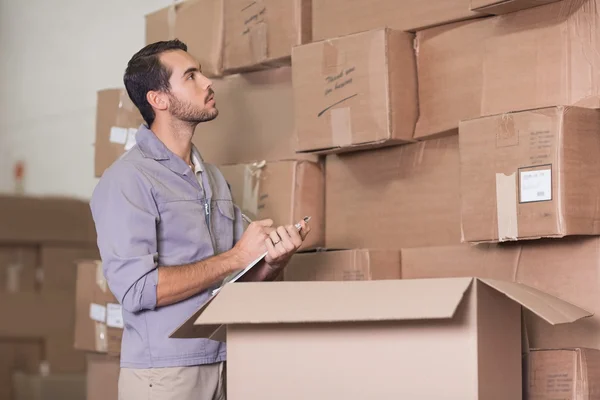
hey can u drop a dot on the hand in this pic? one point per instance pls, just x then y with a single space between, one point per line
252 244
283 242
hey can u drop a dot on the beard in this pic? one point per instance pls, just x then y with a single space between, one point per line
191 113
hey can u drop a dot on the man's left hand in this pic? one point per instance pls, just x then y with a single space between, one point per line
283 242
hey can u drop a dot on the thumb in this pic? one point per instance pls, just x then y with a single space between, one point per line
265 222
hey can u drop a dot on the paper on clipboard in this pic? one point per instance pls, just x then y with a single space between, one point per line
236 276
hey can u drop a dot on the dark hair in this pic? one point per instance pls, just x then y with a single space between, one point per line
145 72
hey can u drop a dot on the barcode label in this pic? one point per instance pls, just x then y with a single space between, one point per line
536 185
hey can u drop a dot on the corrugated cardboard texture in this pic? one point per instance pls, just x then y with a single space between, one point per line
197 23
18 266
102 377
505 6
93 292
255 122
563 373
549 156
18 355
45 219
262 33
284 191
59 266
345 100
51 387
333 18
404 196
344 265
114 109
568 268
449 63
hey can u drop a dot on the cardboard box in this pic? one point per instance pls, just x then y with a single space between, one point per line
59 266
346 101
344 265
505 6
284 191
449 63
333 18
117 121
31 220
404 196
562 373
51 387
527 175
262 33
18 268
18 355
61 356
464 334
102 377
543 57
98 319
255 122
197 23
567 268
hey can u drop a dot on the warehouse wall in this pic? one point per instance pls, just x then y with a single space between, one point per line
49 75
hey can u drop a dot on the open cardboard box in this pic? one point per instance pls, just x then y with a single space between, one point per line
419 339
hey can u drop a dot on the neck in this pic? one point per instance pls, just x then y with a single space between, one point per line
176 136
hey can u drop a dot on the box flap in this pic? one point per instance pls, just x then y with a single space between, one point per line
545 306
287 302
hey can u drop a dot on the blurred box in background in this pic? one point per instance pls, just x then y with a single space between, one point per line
344 265
18 355
197 23
284 191
260 34
102 377
117 121
346 101
49 387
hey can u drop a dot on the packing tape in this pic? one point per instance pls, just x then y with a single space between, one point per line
329 59
506 207
100 279
252 176
341 126
101 337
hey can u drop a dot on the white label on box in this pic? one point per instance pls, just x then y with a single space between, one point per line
97 312
130 138
118 135
536 185
114 317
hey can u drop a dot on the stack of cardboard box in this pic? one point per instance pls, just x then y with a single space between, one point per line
446 127
40 241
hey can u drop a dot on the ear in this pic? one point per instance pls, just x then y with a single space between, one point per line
158 100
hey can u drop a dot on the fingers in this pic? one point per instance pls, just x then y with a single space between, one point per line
272 254
294 236
286 240
265 222
274 236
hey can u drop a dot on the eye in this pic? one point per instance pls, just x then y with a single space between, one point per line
191 76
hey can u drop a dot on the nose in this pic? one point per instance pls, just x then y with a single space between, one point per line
206 83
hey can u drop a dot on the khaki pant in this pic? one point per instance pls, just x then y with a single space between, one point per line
204 382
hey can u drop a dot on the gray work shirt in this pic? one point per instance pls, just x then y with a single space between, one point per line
150 210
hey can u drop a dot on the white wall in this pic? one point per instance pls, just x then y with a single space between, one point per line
54 56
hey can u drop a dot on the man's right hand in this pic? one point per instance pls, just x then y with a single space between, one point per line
252 243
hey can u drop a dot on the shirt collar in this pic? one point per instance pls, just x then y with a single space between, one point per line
150 145
197 160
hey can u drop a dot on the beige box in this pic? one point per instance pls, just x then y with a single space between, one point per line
98 315
403 196
345 100
102 377
449 63
344 265
284 191
261 33
58 266
398 336
562 374
333 18
117 121
255 122
197 23
505 6
567 268
527 175
50 387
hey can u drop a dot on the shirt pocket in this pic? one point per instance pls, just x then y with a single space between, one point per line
223 225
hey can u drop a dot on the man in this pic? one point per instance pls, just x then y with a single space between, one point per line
169 233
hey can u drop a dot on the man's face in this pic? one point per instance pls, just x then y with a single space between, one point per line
191 98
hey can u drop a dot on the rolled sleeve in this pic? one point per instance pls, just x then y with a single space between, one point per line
126 215
238 228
